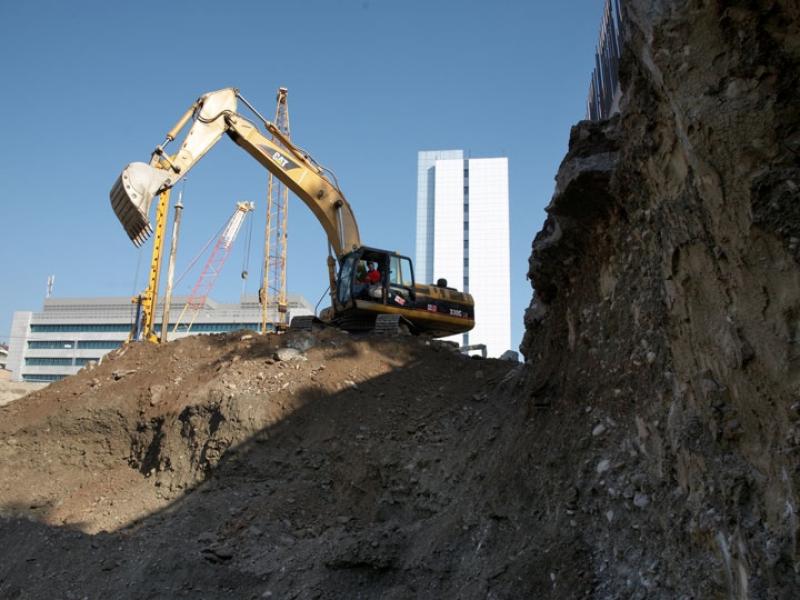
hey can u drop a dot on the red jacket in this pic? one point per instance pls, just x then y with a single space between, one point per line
373 276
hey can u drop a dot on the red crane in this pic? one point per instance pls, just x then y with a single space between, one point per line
213 267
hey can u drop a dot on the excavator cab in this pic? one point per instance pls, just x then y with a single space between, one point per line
374 276
376 291
374 284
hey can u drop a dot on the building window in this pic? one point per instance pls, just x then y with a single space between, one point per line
124 327
215 327
81 361
98 344
50 344
42 378
79 327
48 362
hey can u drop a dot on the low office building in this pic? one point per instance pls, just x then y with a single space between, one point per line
70 332
5 375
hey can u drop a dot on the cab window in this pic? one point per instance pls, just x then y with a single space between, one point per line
346 280
400 272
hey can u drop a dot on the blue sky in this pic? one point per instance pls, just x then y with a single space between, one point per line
89 86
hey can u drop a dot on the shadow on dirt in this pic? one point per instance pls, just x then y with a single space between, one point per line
403 485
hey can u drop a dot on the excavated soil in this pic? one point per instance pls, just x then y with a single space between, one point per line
354 467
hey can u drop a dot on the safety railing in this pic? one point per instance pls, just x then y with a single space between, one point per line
604 89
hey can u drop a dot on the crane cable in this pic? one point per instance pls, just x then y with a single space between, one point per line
246 258
200 254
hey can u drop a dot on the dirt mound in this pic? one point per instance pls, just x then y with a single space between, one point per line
298 465
153 421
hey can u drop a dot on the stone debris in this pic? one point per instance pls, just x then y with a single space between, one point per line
288 354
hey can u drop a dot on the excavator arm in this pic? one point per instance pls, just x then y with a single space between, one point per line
214 114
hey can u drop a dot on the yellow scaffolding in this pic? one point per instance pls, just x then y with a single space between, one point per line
143 327
272 295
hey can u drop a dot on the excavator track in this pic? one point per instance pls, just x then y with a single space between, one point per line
303 323
391 325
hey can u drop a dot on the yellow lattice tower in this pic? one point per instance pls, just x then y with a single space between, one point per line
274 308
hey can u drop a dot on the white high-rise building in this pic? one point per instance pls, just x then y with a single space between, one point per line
463 236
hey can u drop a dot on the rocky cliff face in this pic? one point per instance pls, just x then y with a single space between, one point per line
667 282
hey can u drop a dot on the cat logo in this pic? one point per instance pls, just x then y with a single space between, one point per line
276 156
280 159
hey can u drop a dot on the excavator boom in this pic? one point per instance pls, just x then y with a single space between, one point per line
214 114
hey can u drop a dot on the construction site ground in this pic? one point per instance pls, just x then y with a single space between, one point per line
303 465
12 390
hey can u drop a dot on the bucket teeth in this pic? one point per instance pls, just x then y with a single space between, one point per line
142 236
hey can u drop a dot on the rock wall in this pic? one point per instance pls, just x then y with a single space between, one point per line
667 289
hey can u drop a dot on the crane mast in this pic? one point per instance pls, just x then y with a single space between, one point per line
272 294
213 267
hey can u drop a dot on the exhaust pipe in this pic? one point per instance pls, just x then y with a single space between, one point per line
131 197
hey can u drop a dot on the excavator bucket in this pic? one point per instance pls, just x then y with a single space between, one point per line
131 197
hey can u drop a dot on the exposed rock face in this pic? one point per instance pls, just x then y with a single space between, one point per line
667 282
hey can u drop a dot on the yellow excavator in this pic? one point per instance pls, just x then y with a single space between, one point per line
372 289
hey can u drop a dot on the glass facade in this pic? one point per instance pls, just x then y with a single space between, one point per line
79 327
125 327
50 344
463 236
82 361
215 327
42 378
99 344
426 201
489 254
47 362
